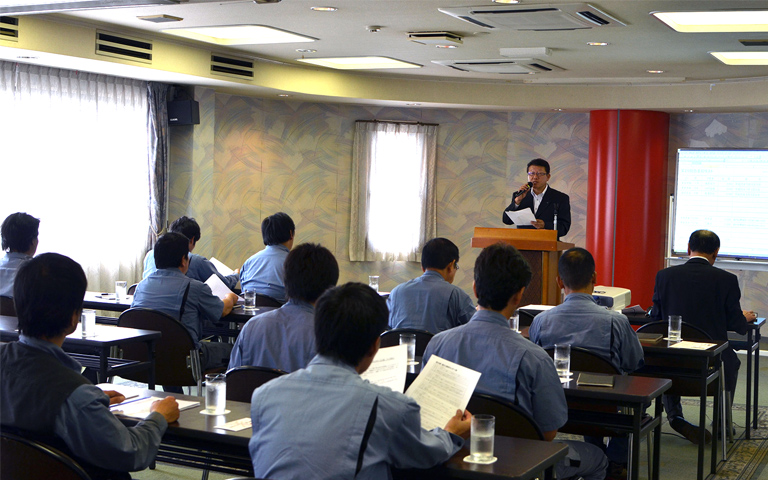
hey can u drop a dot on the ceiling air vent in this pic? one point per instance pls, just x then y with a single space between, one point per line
503 66
120 46
9 28
231 67
566 16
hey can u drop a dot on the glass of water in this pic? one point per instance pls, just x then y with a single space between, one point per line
514 321
409 339
215 394
121 290
675 325
88 323
563 360
481 440
250 301
373 282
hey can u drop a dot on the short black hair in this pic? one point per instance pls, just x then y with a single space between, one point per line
439 253
539 162
186 226
310 270
277 229
170 249
500 272
348 320
576 267
47 291
704 241
18 232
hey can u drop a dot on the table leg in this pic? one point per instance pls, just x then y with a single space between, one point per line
657 439
757 378
151 359
633 466
103 364
716 418
750 344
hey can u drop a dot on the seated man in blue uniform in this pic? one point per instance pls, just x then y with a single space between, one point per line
325 422
431 302
188 300
43 395
200 268
19 240
581 322
285 338
263 272
513 367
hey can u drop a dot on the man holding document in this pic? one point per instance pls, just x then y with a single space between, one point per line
325 422
511 366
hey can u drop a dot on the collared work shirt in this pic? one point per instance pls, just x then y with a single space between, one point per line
9 265
264 272
200 268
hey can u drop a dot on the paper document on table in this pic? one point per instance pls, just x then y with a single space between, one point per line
692 345
537 307
388 368
217 286
441 388
521 217
223 269
236 425
140 408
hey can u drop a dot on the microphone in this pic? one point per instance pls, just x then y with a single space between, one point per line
522 190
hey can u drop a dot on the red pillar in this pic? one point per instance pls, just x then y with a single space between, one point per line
627 198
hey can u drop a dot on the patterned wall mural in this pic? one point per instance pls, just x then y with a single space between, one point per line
252 157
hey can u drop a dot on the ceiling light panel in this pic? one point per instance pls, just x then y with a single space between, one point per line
715 21
22 7
359 63
240 35
742 58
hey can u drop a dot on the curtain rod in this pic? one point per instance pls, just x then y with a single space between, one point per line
396 122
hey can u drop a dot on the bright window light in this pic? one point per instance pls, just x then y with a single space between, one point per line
716 21
240 35
359 63
742 58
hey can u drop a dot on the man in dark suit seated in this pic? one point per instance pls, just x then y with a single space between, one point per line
43 394
544 201
707 297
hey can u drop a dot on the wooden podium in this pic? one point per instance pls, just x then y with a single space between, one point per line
542 251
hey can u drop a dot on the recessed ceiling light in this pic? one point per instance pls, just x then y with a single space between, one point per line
413 104
655 71
597 44
283 95
306 50
446 46
240 35
742 58
505 1
688 110
26 57
324 9
716 21
359 63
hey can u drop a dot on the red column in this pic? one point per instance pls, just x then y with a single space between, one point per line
627 198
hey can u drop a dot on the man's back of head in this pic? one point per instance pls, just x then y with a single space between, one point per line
438 253
277 229
348 321
704 241
310 270
500 272
19 232
576 268
170 250
48 291
186 226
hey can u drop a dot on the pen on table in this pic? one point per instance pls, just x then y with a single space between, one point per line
126 400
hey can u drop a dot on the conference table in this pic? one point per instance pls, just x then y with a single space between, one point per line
106 337
198 441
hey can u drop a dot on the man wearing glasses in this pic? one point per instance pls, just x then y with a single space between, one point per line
543 200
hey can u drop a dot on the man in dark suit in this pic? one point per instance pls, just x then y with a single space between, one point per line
708 298
543 200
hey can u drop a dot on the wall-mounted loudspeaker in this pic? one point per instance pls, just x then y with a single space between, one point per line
183 112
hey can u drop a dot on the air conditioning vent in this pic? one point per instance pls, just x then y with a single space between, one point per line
232 67
9 28
567 16
503 66
118 46
754 43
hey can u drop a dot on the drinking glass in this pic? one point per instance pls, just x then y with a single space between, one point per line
121 289
250 301
215 393
675 324
409 339
514 321
88 323
563 360
481 439
373 282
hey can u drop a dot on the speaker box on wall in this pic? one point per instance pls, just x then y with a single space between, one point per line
183 112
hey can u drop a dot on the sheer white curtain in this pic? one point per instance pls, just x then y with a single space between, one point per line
393 191
73 153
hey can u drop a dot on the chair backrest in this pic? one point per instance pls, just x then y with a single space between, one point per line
584 360
175 352
132 289
28 459
267 301
7 307
391 338
242 381
511 420
687 331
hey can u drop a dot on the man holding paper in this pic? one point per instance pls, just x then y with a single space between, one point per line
325 422
511 366
44 396
188 300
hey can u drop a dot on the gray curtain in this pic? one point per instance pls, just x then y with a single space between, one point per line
157 155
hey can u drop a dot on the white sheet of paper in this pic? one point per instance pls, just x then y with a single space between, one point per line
537 307
692 345
236 425
521 217
140 408
441 388
388 368
217 286
223 269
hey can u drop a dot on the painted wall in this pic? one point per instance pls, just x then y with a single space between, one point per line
251 157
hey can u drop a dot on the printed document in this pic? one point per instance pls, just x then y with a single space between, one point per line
388 368
521 217
223 269
140 408
441 388
217 286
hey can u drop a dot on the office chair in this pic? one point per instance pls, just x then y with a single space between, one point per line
26 459
7 307
391 338
242 381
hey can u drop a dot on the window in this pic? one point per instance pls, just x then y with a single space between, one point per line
74 154
393 191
